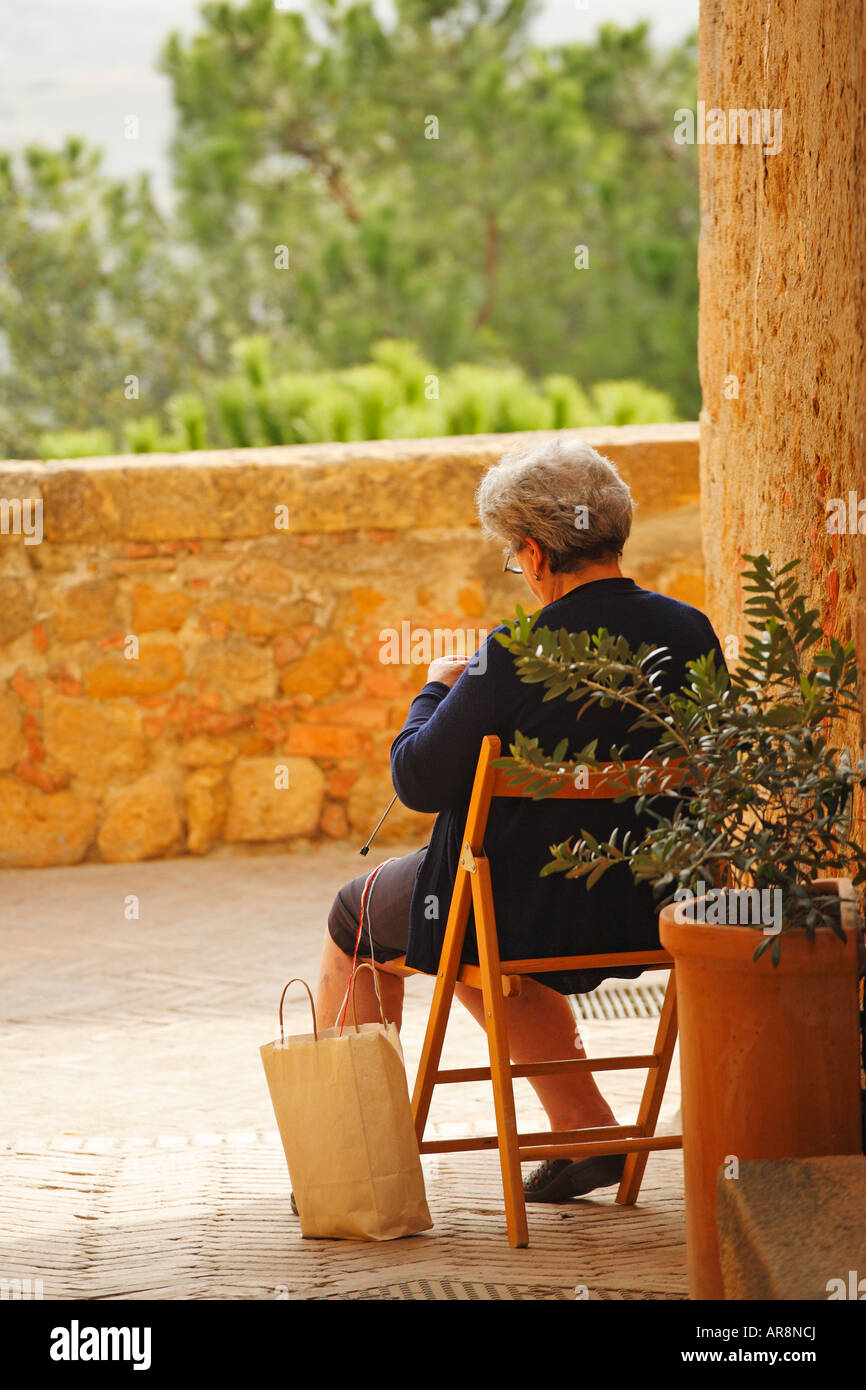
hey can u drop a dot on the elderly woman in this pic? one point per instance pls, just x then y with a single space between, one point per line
563 515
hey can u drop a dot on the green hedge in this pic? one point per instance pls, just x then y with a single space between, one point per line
398 395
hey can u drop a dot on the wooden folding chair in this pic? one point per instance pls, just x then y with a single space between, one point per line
498 979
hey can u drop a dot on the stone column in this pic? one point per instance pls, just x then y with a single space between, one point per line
781 263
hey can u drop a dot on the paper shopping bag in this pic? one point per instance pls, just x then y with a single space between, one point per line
342 1107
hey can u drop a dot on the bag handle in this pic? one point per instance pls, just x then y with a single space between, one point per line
365 965
298 981
368 885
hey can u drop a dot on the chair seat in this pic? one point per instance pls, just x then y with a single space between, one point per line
512 970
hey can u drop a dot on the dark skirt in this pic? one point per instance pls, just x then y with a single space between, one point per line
407 908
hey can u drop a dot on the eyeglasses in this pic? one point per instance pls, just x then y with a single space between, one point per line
510 569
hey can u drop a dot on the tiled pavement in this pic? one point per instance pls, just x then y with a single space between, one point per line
138 1152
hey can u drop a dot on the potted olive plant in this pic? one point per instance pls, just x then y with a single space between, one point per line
754 870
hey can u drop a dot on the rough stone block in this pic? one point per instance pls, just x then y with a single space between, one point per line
790 1226
328 741
319 671
246 673
356 714
99 743
388 682
286 650
141 821
206 751
206 802
153 609
16 609
13 744
259 809
368 799
84 612
27 690
37 829
265 577
158 667
358 604
334 822
257 619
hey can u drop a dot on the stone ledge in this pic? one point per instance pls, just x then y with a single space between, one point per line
384 484
788 1226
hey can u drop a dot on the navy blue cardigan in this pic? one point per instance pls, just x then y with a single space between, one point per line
433 761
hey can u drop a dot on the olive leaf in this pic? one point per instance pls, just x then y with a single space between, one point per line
765 799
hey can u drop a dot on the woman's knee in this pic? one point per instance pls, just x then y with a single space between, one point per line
339 929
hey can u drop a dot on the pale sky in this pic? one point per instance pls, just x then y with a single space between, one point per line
83 66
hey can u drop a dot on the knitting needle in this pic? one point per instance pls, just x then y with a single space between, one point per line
365 848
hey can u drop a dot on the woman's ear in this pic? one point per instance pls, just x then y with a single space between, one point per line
536 555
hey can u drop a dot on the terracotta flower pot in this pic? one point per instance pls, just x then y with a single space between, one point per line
769 1057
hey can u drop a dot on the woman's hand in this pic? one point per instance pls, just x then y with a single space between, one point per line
447 669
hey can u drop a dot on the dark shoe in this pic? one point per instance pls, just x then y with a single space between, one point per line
294 1204
560 1179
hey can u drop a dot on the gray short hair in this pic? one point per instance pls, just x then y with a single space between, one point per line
561 493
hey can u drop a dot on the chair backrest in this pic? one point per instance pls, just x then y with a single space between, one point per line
605 782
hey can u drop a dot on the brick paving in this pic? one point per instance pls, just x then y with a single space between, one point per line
138 1150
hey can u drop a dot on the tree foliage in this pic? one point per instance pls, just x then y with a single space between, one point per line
341 179
91 294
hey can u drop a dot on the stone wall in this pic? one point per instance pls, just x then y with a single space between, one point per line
782 266
191 656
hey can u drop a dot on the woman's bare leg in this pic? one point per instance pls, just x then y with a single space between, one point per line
542 1028
334 975
540 1022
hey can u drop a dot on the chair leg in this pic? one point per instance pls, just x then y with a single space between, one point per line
500 1060
440 1008
425 1077
653 1094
